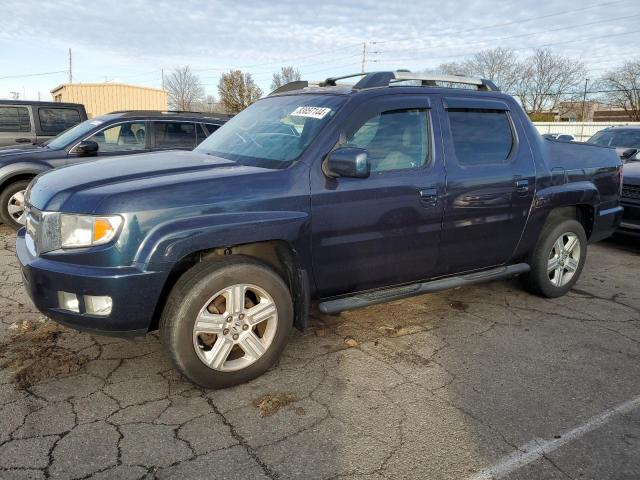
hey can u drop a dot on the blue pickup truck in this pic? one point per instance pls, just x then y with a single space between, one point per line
333 195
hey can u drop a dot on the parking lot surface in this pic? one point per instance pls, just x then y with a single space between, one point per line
481 382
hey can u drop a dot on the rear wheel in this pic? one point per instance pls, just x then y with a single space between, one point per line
12 204
226 321
558 258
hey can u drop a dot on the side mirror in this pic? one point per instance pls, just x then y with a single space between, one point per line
86 148
347 162
628 153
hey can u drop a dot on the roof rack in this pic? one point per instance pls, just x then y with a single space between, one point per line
170 112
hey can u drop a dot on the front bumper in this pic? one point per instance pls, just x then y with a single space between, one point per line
134 292
630 224
605 223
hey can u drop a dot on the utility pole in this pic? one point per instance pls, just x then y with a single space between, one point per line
584 100
70 68
364 55
162 76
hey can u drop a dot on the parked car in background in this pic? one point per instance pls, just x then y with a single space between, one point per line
345 196
630 200
562 137
625 139
118 133
23 122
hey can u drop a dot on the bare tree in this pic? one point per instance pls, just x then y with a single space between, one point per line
500 65
548 82
237 91
184 89
284 76
209 104
624 86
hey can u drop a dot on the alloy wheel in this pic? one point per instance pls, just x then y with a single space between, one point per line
564 259
235 327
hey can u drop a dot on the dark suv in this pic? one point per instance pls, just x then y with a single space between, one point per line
118 133
625 139
344 196
26 122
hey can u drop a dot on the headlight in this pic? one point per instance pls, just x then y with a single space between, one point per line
78 231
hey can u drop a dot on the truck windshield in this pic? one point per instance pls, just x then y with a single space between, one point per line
273 132
617 138
72 134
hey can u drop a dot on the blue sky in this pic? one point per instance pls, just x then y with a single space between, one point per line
131 41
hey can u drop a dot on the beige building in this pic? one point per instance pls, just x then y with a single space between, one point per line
101 98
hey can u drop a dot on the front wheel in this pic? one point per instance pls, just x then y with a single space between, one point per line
226 321
558 258
12 204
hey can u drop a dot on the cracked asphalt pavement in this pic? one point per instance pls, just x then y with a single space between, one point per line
442 386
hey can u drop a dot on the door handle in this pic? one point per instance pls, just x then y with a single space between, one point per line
522 186
23 140
429 197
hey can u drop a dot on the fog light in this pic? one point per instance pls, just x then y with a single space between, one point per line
68 301
98 305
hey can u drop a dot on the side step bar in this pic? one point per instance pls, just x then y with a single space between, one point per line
388 294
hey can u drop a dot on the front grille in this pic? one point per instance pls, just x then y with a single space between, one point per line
631 191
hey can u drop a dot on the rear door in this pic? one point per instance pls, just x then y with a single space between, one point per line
490 183
385 229
16 125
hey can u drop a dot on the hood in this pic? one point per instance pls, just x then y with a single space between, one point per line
132 182
631 172
23 152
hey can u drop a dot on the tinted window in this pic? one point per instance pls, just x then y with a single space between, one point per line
170 135
14 119
201 133
480 136
212 127
56 120
274 131
74 134
617 138
395 140
121 138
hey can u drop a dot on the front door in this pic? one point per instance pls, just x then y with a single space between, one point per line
490 183
385 229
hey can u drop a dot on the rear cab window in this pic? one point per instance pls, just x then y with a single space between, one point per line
55 120
14 119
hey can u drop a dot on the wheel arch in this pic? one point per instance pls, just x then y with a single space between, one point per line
277 254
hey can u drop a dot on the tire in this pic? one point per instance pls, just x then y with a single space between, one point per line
554 282
11 195
201 293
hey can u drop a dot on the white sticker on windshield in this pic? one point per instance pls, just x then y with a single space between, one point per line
311 112
96 122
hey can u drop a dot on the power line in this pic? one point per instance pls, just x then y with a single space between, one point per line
33 74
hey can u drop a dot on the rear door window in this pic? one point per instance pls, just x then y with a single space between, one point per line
201 133
14 119
212 127
57 120
174 135
480 137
